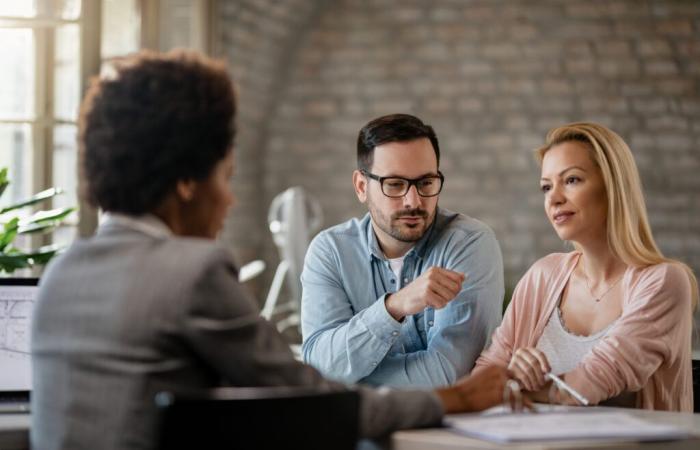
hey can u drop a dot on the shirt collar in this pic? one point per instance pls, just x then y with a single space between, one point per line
148 224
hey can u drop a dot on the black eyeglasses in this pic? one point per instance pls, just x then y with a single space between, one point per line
395 187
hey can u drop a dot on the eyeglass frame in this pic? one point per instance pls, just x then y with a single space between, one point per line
411 182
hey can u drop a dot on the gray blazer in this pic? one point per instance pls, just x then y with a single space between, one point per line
125 314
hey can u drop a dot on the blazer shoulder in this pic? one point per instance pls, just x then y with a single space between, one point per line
197 253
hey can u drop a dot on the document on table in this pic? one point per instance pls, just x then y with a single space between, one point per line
558 425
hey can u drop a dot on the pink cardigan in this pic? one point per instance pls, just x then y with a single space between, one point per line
647 350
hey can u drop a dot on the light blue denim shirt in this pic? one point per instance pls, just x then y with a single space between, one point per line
347 332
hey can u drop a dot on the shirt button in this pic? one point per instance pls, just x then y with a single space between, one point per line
374 363
430 323
405 280
392 281
394 333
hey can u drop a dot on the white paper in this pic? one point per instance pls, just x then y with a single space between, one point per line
570 425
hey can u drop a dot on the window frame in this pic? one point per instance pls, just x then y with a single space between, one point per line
89 21
42 124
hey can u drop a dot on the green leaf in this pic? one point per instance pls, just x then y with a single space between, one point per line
11 262
51 215
4 182
43 254
36 198
44 220
32 228
14 259
8 233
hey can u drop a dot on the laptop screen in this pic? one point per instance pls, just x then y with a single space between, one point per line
17 296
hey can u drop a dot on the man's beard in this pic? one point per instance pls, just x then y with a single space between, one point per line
401 232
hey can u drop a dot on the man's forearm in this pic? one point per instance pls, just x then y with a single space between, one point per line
354 349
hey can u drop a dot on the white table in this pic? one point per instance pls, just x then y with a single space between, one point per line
444 439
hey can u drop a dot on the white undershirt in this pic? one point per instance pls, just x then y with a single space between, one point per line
396 265
564 349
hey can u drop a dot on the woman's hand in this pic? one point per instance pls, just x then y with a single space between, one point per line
529 366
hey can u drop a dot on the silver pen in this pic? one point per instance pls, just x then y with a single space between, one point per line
562 385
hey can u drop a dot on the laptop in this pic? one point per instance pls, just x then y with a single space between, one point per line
17 297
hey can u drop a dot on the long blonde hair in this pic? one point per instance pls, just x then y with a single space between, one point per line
629 233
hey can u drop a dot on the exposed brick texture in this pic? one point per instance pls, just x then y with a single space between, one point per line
258 38
492 76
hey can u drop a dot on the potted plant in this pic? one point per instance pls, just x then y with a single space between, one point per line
12 225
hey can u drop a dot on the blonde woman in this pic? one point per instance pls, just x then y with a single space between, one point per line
614 316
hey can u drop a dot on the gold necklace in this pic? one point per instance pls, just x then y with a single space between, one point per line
599 297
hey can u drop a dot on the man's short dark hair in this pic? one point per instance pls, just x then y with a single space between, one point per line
391 128
157 119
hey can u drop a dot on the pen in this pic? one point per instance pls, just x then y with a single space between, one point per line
562 385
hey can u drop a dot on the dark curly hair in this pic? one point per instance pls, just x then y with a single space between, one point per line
155 120
392 128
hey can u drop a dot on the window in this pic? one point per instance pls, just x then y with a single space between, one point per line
121 28
48 51
40 89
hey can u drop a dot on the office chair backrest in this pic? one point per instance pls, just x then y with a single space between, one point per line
259 418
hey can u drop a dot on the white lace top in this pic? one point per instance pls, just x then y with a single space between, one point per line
563 348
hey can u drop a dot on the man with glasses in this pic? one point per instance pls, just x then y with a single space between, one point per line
408 295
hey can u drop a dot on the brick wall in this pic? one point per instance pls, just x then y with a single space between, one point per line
258 38
492 76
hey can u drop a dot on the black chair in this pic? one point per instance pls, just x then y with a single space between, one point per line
696 385
258 418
